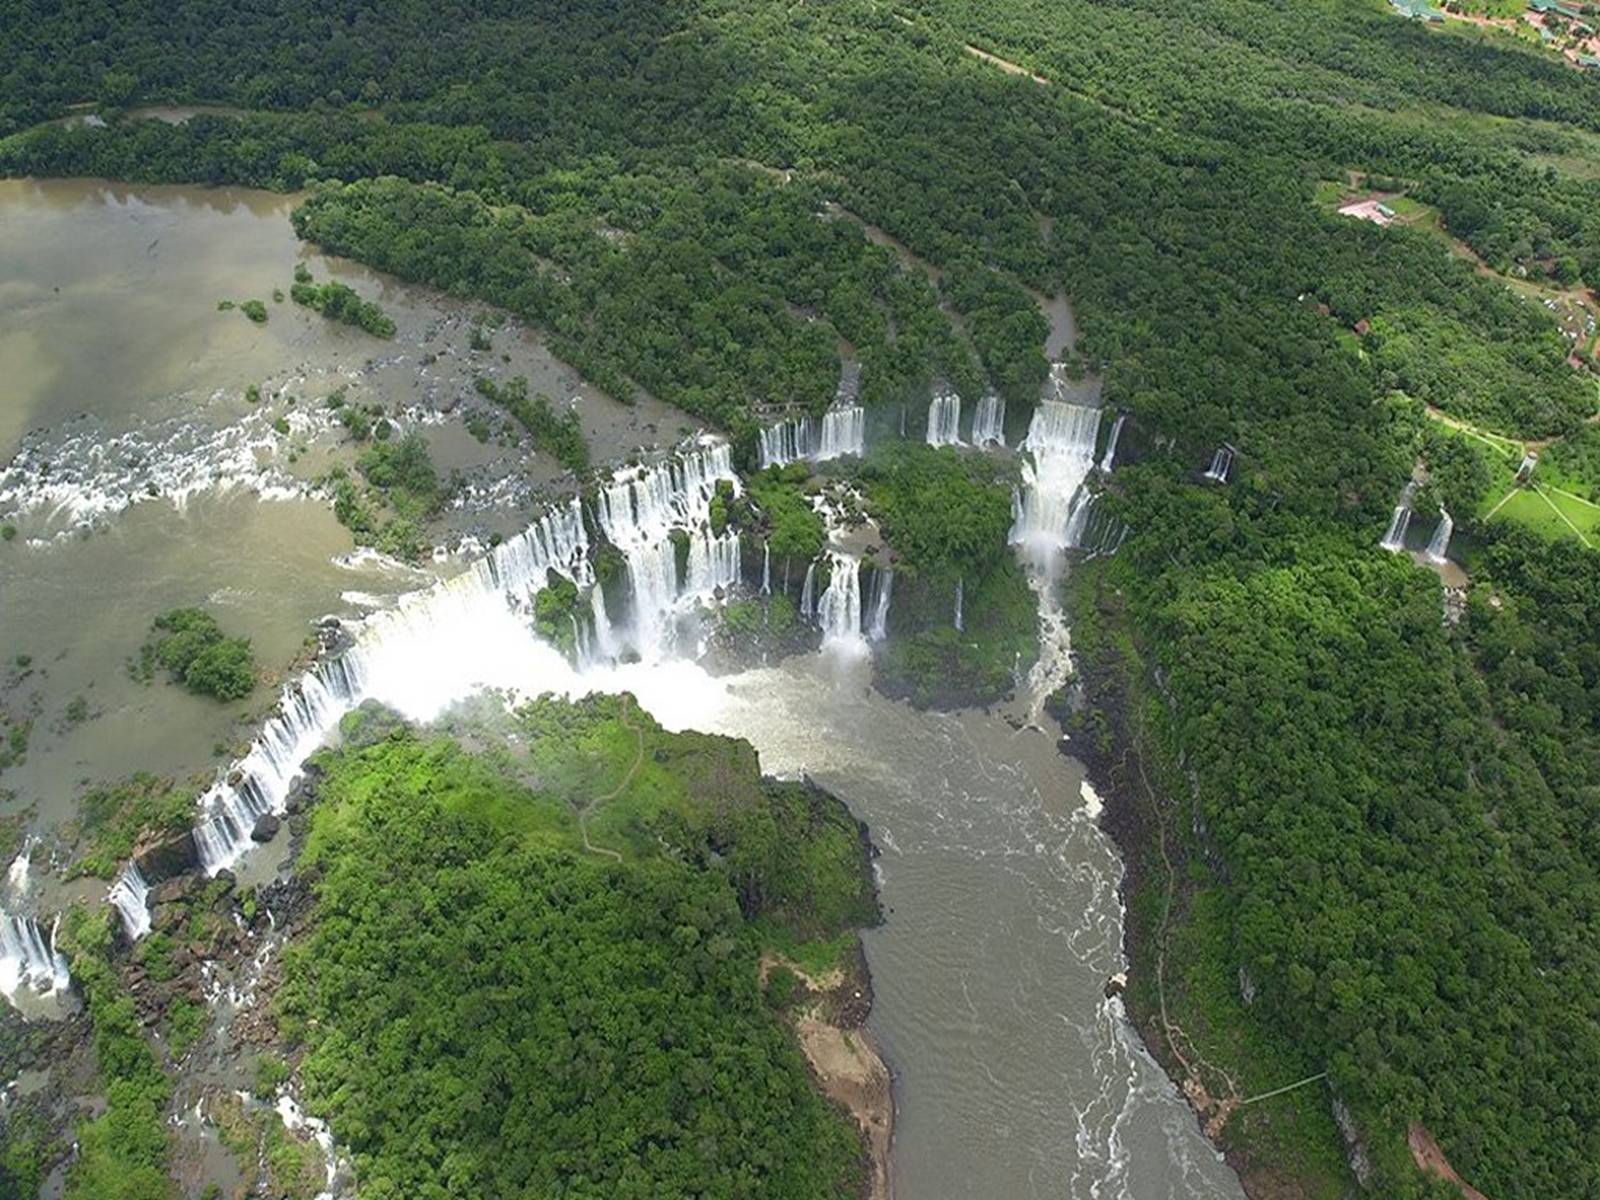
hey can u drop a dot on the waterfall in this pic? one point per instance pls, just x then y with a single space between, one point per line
26 958
883 588
902 422
1111 446
766 568
989 422
961 596
944 420
605 642
808 591
128 896
1048 515
1221 463
435 645
17 873
639 513
1102 533
786 442
839 609
1439 544
844 431
1395 538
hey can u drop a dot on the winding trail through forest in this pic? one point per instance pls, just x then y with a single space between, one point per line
595 802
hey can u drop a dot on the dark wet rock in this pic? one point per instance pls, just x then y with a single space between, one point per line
266 828
303 792
224 881
170 857
1116 985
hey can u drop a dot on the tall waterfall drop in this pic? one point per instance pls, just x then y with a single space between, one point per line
640 512
944 420
844 431
883 589
1049 513
766 568
1048 519
961 603
128 896
1395 538
1111 445
989 422
26 958
786 442
1439 544
839 609
808 591
1221 462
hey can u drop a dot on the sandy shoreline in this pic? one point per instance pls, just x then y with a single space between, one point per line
830 1024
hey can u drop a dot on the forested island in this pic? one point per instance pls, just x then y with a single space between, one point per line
1331 268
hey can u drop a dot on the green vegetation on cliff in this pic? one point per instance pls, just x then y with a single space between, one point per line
122 1153
577 924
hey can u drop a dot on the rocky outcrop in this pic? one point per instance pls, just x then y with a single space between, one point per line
169 857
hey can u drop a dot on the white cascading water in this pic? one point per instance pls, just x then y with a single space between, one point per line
1221 463
844 431
883 590
1395 538
1439 544
808 591
28 960
639 513
1050 510
435 645
944 420
989 422
786 442
1048 519
839 609
17 873
129 896
961 598
766 568
1110 456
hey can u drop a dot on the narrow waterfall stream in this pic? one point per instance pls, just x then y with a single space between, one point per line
989 422
1439 543
944 420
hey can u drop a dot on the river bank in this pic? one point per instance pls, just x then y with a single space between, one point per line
1184 993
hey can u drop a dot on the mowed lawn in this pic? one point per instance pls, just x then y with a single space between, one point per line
1552 513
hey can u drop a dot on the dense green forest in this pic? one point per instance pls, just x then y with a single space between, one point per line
1400 817
574 1022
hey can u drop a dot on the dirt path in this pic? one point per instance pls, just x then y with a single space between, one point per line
1006 65
638 758
1426 1154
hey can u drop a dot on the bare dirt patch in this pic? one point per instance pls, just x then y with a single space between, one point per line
1426 1154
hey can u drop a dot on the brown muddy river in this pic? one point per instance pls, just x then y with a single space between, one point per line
123 379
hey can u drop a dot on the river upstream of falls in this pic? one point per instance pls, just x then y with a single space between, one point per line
1014 1075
